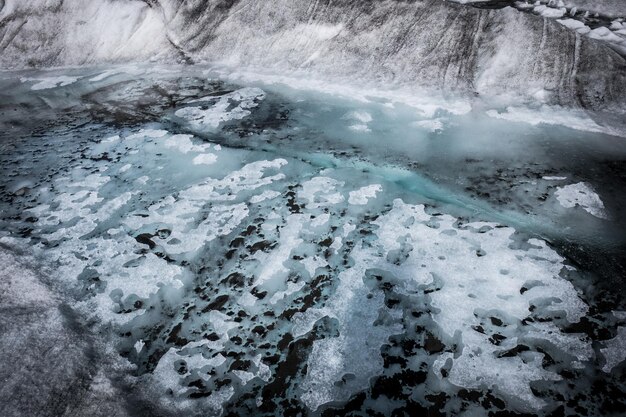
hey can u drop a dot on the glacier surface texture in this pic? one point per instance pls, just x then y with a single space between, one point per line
312 208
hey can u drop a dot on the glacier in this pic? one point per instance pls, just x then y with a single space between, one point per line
434 43
321 208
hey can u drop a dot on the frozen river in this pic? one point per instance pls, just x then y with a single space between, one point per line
211 243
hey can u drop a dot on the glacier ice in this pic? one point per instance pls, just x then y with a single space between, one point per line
441 46
342 208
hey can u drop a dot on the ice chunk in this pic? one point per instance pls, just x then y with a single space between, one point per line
605 34
550 12
139 346
125 168
356 351
320 191
581 194
360 128
46 83
576 25
184 144
132 70
222 110
274 271
362 195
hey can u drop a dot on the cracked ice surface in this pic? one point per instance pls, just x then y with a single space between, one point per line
472 272
249 277
414 248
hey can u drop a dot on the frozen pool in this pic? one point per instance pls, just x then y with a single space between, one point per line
239 246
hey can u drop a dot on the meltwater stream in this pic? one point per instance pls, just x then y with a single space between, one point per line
214 245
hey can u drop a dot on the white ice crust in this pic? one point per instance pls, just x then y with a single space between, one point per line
581 194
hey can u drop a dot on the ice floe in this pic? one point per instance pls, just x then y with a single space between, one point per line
362 195
50 82
231 106
581 194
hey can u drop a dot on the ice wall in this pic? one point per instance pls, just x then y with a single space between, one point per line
44 33
422 43
407 44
